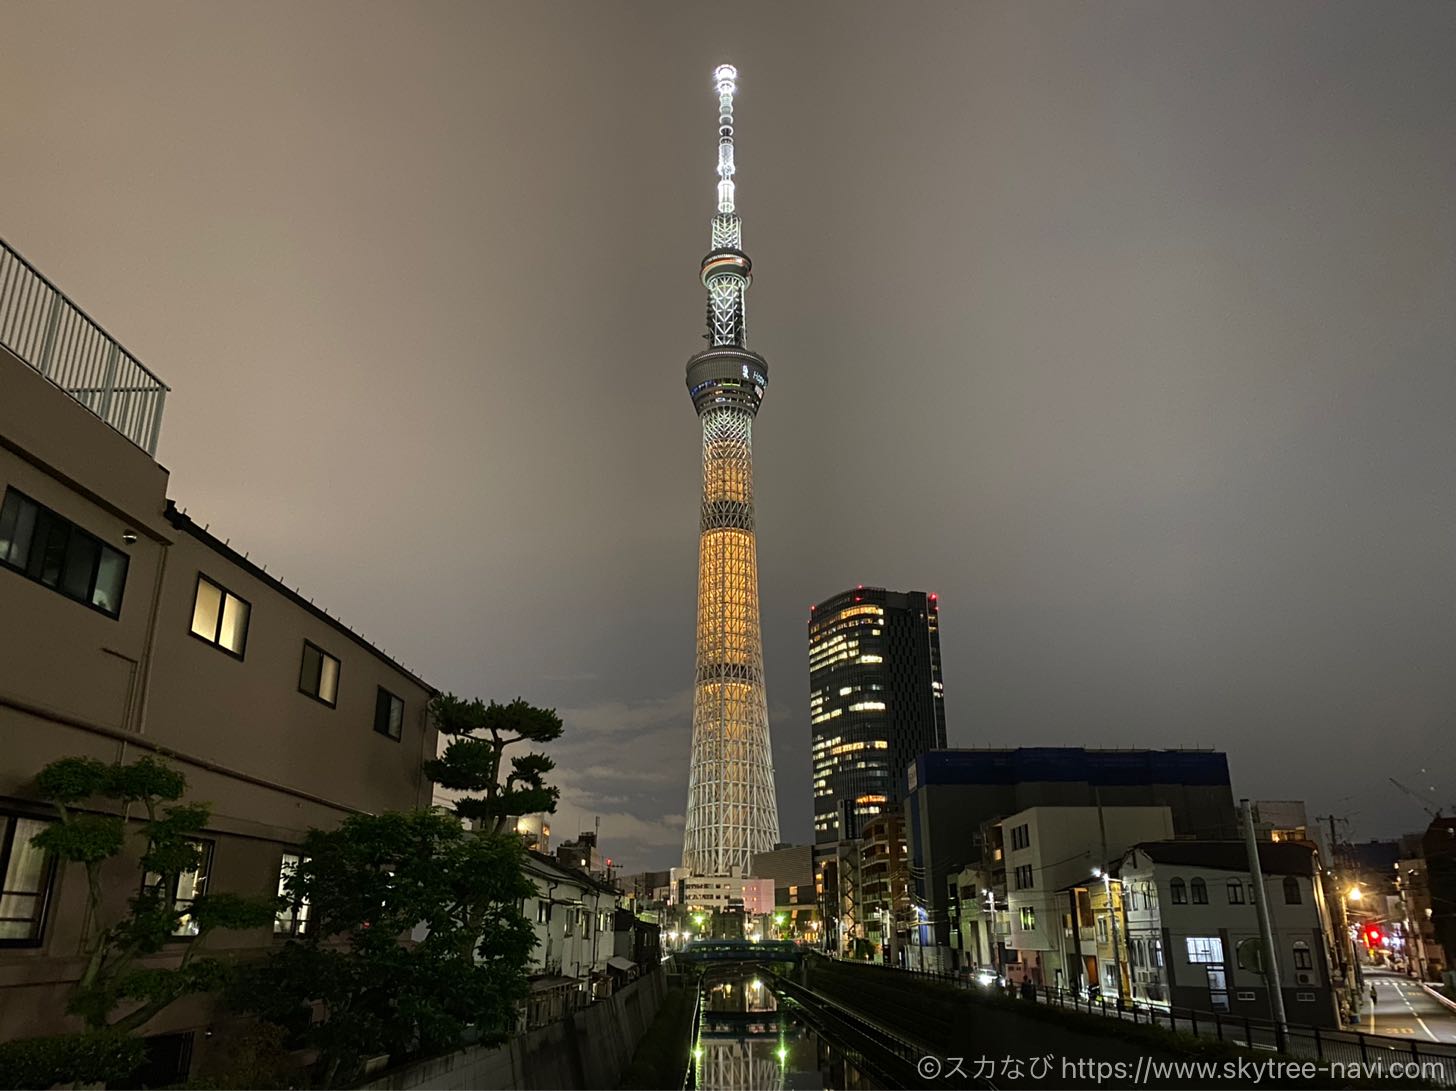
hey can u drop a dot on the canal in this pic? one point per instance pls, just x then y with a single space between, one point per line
750 1038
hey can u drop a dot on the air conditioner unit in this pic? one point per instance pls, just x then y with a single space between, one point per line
1304 979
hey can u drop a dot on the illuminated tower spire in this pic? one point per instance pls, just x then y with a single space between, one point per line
732 808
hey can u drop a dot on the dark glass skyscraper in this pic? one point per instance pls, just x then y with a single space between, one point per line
876 701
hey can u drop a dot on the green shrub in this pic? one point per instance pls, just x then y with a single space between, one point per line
89 1058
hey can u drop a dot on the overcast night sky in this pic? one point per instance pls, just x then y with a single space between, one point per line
1126 328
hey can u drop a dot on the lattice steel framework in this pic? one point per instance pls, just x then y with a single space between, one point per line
732 807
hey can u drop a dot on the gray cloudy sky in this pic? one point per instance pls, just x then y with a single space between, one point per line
1127 328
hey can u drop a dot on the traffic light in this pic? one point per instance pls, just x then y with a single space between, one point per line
1373 936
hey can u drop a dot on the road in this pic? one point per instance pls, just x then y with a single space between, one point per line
1403 1009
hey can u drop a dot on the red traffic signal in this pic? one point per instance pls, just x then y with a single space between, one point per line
1373 935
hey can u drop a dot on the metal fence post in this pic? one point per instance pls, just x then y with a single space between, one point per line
1361 1038
1319 1047
48 346
1248 1033
108 384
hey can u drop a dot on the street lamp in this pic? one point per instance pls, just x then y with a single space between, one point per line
1355 894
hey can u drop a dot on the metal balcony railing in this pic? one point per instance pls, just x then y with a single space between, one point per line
42 326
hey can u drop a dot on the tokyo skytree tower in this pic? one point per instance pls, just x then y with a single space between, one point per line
732 808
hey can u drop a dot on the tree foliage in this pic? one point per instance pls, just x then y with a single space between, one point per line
414 934
113 943
472 762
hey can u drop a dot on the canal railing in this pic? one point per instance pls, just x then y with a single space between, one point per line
1434 1061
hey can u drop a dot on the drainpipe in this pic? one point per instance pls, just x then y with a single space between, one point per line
149 650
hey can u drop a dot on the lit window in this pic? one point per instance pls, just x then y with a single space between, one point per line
388 714
26 882
220 617
293 919
1028 918
1205 949
319 675
186 887
54 552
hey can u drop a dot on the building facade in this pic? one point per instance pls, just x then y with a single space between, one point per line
884 886
791 868
1048 851
575 917
732 809
955 796
1191 929
131 631
876 702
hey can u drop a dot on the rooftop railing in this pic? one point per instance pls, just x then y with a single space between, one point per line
42 326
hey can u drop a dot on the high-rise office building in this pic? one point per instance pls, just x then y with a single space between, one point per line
732 809
876 701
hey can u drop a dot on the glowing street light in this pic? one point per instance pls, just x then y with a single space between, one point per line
1355 893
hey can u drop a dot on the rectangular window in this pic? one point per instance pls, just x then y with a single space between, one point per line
54 552
186 888
1205 949
319 675
27 880
1235 892
1028 918
220 617
543 912
1303 957
388 714
292 920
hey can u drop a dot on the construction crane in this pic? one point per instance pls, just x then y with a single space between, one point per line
1434 812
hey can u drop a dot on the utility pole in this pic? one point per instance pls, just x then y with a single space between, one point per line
1349 960
1111 912
1266 928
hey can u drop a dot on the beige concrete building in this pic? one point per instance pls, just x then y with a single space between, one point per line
1048 851
130 630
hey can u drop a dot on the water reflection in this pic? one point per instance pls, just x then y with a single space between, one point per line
748 1042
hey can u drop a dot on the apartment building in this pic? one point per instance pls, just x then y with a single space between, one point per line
132 630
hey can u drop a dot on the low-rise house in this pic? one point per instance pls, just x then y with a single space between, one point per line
1190 930
574 916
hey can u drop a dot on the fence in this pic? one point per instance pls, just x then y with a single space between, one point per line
45 329
1374 1053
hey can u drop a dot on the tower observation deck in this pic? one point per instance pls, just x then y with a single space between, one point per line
732 809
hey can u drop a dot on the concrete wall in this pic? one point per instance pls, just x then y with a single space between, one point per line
588 1049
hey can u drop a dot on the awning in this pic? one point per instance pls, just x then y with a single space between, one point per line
617 962
545 984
